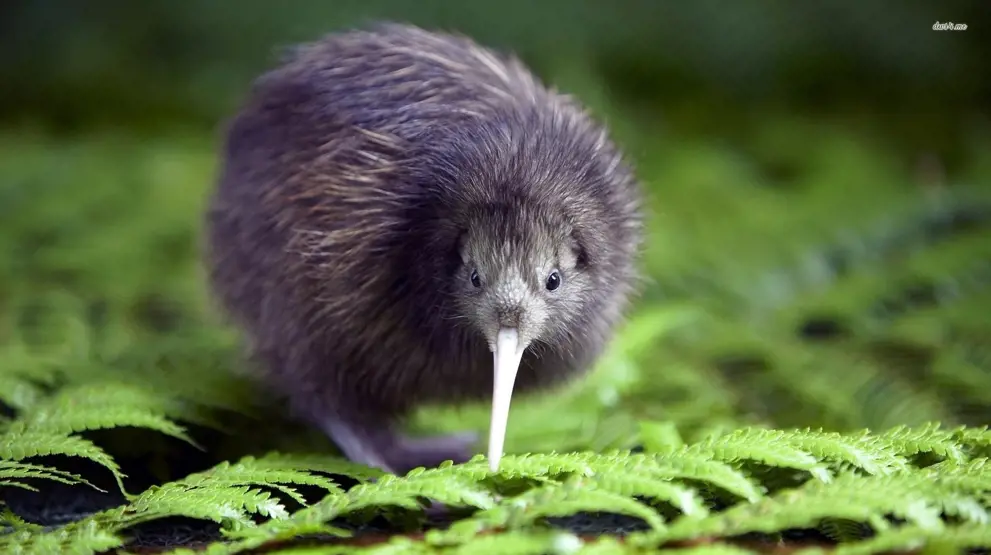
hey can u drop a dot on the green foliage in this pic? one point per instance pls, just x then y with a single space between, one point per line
193 62
846 483
791 385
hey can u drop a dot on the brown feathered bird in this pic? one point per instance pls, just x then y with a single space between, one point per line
404 217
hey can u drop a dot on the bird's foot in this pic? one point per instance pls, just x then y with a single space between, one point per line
411 452
397 453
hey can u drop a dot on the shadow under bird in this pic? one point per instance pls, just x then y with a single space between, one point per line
404 217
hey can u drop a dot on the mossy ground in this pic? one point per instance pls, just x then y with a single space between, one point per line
807 275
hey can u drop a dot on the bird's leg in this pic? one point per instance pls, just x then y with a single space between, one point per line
376 443
430 451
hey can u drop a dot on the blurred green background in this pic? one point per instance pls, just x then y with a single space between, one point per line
789 150
159 62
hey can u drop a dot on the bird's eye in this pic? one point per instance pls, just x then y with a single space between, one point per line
553 281
475 280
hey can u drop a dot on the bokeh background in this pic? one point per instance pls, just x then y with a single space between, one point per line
817 175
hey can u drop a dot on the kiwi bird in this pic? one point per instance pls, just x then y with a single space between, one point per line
403 217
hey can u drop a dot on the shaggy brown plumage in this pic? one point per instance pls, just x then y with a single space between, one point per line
390 198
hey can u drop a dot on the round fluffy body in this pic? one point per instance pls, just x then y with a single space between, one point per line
389 197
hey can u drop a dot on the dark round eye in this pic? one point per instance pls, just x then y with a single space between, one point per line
475 280
553 281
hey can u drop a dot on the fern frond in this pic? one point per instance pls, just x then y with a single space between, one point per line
681 497
690 466
928 438
973 477
521 543
15 523
397 545
979 437
771 447
18 444
914 497
47 426
163 373
80 408
447 488
952 539
212 549
709 549
231 506
17 393
843 530
863 452
251 471
247 539
85 537
443 485
681 465
12 470
13 484
226 493
872 453
606 545
318 463
539 465
577 494
659 438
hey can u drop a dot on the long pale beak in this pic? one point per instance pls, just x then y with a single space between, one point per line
506 363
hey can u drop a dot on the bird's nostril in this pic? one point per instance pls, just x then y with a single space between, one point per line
509 316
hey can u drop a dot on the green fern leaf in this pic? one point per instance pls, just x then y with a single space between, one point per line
605 545
842 530
862 452
443 487
212 549
953 539
972 477
319 463
660 438
12 470
975 473
98 406
576 494
14 522
13 484
228 506
83 538
281 530
770 447
308 520
224 494
683 498
397 545
413 549
684 465
465 530
928 438
695 466
251 471
709 549
974 437
17 444
17 393
522 543
913 497
537 465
